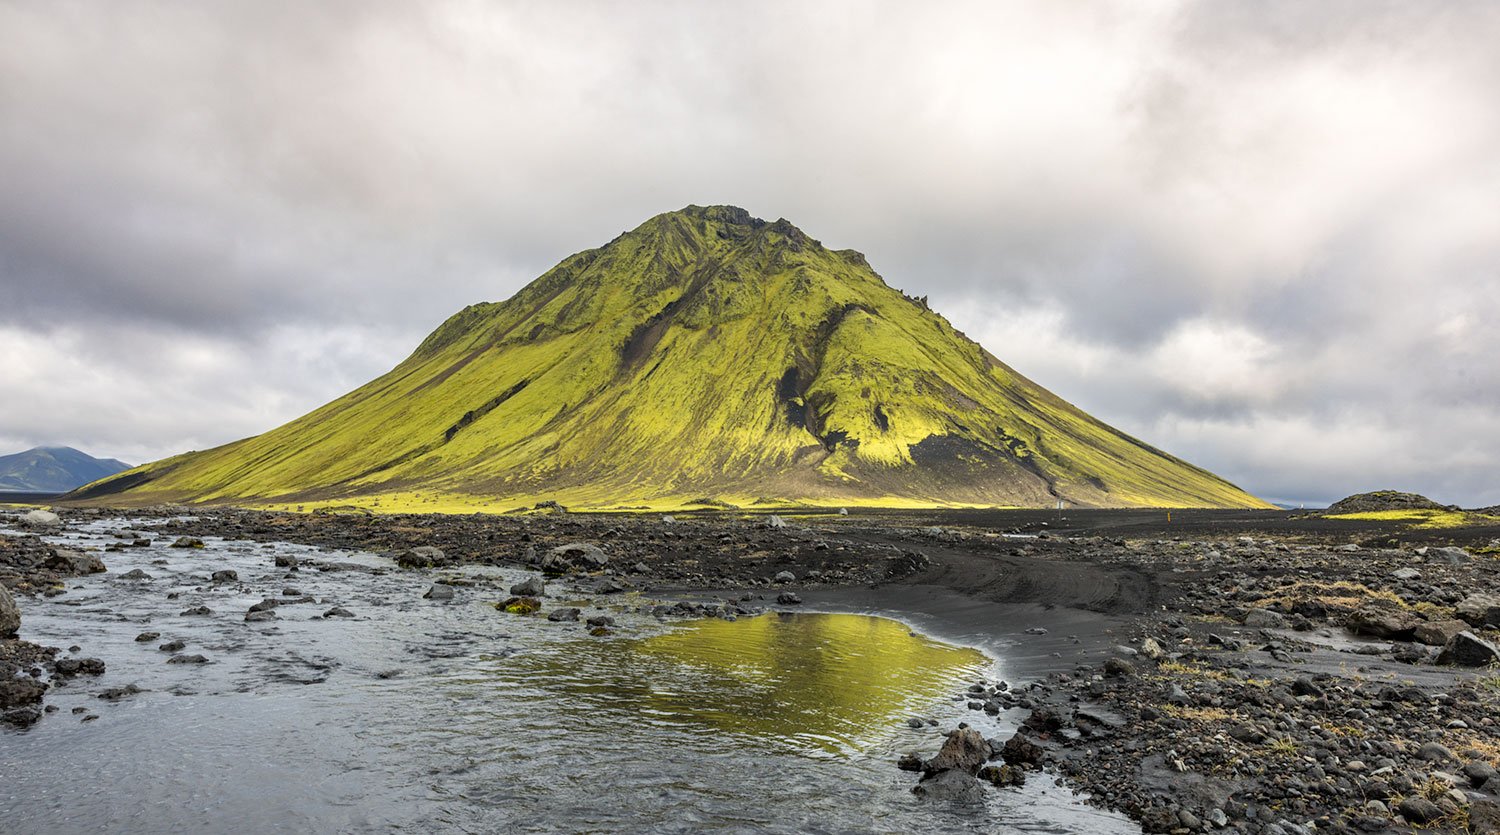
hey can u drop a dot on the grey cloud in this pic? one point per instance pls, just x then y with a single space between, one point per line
1260 235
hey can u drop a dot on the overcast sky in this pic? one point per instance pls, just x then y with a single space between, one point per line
1264 236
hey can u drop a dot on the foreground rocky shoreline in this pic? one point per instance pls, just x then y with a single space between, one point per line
1259 673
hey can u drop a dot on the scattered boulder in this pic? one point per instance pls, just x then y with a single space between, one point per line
1481 610
73 563
114 694
574 557
1018 750
68 667
1118 668
19 701
187 542
1448 556
136 575
789 598
1264 619
422 556
520 606
147 637
567 614
1469 650
1419 810
338 612
227 575
965 750
44 519
1380 618
785 577
531 587
1003 775
1484 817
439 592
187 659
953 786
10 614
1438 633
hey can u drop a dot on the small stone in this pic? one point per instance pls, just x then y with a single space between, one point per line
187 659
1419 810
1435 752
1264 619
1118 668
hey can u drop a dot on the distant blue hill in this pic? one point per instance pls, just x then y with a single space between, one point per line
53 470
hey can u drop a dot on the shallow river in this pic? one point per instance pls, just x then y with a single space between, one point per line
421 716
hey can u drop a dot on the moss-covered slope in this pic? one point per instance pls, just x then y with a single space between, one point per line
705 353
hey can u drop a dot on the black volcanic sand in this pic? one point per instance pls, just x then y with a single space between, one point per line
1250 671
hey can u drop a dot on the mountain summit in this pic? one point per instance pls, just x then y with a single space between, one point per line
704 354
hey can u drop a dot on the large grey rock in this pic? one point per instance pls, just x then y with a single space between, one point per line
1482 610
530 587
1469 650
439 592
1439 632
965 749
10 614
1419 810
1264 619
41 519
1448 556
422 556
68 561
574 557
1484 817
953 786
1383 619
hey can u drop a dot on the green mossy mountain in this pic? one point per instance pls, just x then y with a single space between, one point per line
705 353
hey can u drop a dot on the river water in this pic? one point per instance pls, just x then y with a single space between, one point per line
424 716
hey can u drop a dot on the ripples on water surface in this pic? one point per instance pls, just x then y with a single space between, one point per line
419 716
